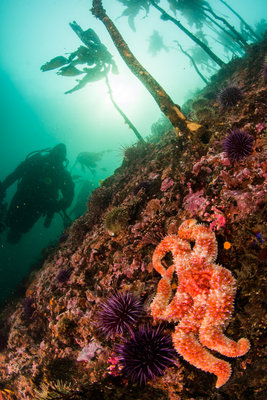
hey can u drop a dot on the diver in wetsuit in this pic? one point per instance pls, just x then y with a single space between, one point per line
44 187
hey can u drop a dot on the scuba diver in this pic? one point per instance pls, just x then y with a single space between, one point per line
44 188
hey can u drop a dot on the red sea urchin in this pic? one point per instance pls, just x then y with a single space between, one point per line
230 96
237 145
146 354
119 313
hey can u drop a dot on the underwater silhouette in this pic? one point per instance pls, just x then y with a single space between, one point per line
88 160
99 60
56 62
95 56
44 188
156 44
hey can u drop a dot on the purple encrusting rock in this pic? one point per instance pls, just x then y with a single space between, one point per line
230 96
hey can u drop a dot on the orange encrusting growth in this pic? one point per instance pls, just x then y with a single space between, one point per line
203 303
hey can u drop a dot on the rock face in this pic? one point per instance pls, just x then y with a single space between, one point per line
58 346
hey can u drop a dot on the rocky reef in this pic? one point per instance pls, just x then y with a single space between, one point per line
51 341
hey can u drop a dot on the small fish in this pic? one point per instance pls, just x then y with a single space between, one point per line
54 63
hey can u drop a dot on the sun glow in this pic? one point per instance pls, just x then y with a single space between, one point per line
124 93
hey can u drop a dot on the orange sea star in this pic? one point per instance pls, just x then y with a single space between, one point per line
203 302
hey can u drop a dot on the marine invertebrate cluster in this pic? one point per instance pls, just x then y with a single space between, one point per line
237 145
203 303
119 313
204 114
146 354
230 96
199 103
115 220
57 390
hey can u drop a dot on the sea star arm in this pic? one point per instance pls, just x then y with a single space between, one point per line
205 247
187 345
218 312
161 300
163 247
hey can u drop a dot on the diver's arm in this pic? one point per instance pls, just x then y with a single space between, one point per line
14 176
67 190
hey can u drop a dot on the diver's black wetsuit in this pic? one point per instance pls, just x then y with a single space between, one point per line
44 188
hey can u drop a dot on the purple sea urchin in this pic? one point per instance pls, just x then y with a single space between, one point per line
64 275
230 96
119 313
237 145
146 354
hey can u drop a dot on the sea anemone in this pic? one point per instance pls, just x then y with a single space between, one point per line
230 96
116 219
64 275
119 313
146 354
204 114
237 145
56 390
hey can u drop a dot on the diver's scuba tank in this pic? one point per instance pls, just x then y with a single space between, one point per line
46 150
35 152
